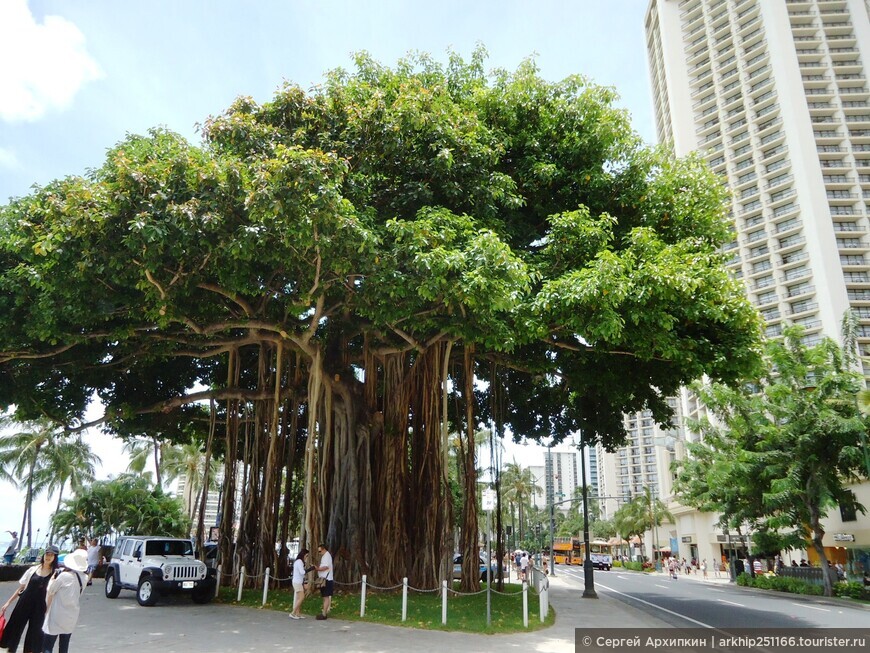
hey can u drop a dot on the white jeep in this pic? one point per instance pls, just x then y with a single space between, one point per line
157 565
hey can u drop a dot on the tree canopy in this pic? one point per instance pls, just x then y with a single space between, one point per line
782 451
125 505
332 269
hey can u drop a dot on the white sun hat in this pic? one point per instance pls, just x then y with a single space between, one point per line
77 560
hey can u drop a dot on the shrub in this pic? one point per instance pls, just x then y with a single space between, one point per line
851 589
780 584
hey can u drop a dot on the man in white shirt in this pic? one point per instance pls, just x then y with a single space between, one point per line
93 557
524 565
324 571
12 549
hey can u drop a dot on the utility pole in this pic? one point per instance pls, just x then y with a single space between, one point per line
589 581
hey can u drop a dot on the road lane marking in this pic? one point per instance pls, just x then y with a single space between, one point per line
811 607
739 605
658 607
665 586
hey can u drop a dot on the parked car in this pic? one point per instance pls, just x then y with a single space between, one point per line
457 567
151 566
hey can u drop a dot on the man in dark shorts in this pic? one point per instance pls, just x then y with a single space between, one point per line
324 571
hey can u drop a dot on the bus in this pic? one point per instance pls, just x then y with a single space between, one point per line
568 551
601 553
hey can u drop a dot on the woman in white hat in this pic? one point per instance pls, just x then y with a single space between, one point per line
29 611
62 601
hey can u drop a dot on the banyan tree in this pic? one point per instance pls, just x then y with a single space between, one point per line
334 283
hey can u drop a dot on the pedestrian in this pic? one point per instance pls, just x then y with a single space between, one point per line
704 568
324 573
93 558
29 612
299 571
62 601
12 549
672 567
524 566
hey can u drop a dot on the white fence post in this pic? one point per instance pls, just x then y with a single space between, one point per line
241 582
217 585
266 586
544 599
525 604
444 602
404 598
362 600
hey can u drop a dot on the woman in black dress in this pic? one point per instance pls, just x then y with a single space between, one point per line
29 612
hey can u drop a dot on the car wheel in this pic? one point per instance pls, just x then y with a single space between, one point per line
203 596
146 594
112 588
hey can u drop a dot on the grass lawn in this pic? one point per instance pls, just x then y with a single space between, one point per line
464 613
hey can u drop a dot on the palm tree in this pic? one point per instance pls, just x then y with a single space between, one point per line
22 459
141 450
519 487
188 461
66 461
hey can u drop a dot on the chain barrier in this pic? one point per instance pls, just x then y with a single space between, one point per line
507 593
250 575
383 589
530 587
458 593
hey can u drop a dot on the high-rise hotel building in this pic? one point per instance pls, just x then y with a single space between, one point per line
774 94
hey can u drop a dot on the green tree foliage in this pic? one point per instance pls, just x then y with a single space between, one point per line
784 449
519 489
123 505
39 458
641 514
332 270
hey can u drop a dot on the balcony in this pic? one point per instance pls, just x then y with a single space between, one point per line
802 289
779 181
791 242
803 307
794 258
782 212
796 273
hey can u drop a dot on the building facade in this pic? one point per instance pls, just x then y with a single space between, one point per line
774 94
643 464
557 478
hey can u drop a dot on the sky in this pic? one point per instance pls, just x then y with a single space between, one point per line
77 76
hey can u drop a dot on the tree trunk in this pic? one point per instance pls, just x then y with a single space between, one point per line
469 540
818 534
56 510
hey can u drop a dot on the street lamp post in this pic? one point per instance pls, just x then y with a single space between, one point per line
552 565
552 484
589 581
655 526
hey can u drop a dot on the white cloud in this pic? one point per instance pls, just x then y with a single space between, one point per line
42 66
8 159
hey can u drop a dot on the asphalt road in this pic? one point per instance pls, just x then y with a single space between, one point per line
689 602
